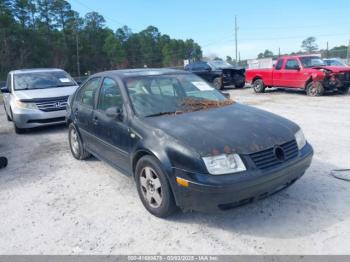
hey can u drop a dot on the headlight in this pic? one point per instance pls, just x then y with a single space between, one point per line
224 164
300 138
23 105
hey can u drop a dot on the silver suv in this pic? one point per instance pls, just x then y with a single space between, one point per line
37 97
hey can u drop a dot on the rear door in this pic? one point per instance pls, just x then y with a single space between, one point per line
83 107
277 78
111 134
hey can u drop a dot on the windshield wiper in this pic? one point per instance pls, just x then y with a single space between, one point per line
165 113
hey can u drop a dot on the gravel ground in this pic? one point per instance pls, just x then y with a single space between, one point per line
51 203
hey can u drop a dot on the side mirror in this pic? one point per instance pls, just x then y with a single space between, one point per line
4 90
115 113
227 95
297 67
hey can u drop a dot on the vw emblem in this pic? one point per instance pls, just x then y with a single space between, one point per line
279 153
58 104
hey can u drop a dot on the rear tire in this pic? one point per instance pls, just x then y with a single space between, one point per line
153 188
259 86
218 83
343 90
314 88
76 145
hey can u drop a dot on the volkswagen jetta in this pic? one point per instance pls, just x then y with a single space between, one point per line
185 143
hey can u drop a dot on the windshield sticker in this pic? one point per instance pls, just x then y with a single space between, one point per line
65 80
202 86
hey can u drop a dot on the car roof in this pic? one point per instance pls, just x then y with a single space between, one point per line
125 73
35 70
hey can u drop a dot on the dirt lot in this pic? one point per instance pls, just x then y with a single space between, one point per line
50 203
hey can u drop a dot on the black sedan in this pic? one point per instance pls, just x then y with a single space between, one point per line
185 143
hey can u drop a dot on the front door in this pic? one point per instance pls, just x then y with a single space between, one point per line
292 75
111 133
83 108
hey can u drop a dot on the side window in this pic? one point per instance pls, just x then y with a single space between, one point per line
87 93
292 64
195 66
110 95
279 64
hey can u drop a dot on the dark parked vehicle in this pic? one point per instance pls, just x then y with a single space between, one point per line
185 144
219 73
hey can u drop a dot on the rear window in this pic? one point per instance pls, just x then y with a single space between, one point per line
279 64
41 80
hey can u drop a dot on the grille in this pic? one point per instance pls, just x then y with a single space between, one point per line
52 104
267 158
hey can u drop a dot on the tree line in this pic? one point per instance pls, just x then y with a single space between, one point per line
309 46
48 33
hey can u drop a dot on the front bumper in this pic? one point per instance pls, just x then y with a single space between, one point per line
30 118
210 193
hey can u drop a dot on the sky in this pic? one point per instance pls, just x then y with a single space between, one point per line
268 24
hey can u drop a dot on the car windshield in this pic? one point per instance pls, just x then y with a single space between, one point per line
41 80
334 63
312 61
172 94
219 64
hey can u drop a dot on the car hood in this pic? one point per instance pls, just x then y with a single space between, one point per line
235 128
45 93
334 69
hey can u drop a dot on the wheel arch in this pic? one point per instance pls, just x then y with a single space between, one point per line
308 81
256 78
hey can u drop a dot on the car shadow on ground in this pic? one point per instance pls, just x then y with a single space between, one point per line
277 90
305 208
46 129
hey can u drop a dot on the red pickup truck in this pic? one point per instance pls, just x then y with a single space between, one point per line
308 73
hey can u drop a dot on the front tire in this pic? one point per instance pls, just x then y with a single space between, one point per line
259 86
153 187
76 145
218 83
7 115
343 90
314 88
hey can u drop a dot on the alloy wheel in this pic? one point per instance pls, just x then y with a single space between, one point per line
74 141
151 187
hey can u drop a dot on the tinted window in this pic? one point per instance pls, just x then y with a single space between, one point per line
110 95
292 64
40 80
279 64
87 93
200 66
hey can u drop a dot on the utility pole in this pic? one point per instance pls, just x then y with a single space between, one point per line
236 41
77 47
279 52
327 53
